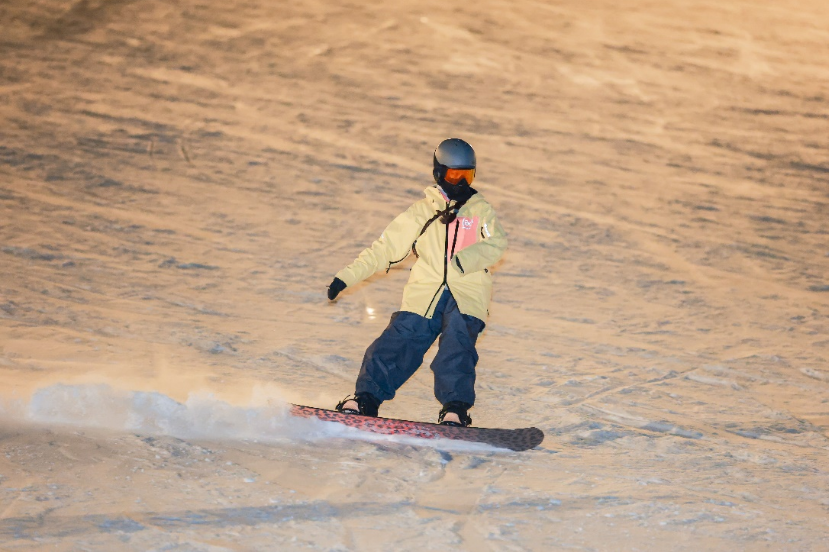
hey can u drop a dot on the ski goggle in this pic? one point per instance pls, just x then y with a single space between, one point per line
454 176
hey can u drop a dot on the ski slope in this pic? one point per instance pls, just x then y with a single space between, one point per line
179 182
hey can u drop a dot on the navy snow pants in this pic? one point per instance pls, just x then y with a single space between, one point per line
399 351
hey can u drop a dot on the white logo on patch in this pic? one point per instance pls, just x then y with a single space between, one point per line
466 223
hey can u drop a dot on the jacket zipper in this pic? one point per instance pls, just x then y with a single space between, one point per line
445 263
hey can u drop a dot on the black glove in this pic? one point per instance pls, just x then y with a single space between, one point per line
335 288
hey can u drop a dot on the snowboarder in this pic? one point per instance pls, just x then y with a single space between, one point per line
456 237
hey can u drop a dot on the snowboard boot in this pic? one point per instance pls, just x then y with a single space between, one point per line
459 409
366 405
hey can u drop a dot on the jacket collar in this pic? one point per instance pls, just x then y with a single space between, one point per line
438 199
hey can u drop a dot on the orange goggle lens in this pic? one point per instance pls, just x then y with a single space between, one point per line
453 176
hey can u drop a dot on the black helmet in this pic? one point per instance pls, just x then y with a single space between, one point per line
454 153
457 158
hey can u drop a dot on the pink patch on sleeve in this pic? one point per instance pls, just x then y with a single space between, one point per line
467 232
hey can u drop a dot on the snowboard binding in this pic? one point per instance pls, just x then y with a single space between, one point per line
456 407
367 405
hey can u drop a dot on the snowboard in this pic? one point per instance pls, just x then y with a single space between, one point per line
513 439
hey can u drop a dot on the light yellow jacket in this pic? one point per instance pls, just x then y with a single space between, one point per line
476 238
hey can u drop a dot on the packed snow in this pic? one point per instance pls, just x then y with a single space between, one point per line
180 181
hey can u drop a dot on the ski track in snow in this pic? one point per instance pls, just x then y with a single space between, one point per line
179 182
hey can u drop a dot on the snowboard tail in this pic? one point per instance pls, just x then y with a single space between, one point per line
513 439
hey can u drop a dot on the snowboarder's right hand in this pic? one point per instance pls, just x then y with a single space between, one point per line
335 288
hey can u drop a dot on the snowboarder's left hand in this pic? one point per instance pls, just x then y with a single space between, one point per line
335 288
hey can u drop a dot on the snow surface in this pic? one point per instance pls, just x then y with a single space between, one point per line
179 181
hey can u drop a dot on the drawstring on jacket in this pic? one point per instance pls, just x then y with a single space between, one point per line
446 216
